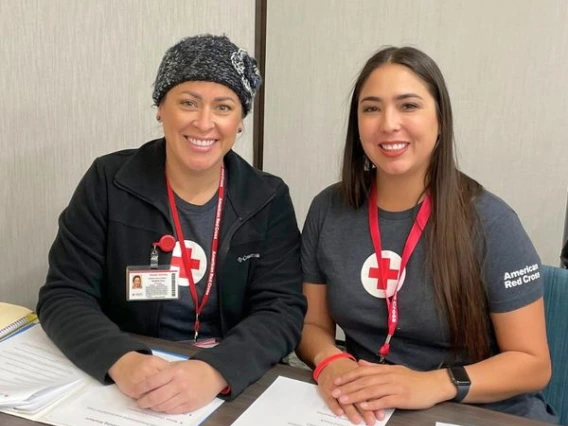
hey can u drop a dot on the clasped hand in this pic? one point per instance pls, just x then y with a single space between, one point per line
375 387
326 384
168 387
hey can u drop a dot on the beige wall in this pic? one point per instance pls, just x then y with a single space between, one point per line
505 64
76 76
75 82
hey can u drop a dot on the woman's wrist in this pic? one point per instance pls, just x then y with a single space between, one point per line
445 388
320 356
115 370
216 378
324 363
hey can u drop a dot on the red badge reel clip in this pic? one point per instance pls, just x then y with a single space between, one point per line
166 244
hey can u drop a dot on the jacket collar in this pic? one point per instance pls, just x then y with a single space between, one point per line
144 176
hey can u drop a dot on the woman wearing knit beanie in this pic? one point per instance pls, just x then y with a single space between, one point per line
233 285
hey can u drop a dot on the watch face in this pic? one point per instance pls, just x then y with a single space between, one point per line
460 375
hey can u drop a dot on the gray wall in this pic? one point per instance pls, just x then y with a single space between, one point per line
75 82
505 64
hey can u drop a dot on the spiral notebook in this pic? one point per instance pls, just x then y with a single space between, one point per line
13 318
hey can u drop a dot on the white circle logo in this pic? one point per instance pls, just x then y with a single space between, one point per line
370 274
197 262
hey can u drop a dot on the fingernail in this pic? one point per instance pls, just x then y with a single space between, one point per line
343 399
364 405
336 393
357 420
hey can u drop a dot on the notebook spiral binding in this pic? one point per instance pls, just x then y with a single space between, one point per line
5 331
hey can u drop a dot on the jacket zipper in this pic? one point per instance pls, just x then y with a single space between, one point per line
224 247
170 222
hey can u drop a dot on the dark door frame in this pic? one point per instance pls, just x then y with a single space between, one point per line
260 54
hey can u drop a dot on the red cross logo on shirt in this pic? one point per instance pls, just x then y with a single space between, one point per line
197 262
193 263
391 274
390 267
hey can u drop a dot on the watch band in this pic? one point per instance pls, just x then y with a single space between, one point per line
460 379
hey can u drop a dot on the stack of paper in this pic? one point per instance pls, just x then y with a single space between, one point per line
34 373
39 383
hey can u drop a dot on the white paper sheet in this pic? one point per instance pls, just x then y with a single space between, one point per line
106 405
273 407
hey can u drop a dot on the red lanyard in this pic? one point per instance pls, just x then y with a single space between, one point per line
409 246
185 255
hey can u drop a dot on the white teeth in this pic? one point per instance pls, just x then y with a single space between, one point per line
201 142
393 146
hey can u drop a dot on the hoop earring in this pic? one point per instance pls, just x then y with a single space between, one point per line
158 118
240 130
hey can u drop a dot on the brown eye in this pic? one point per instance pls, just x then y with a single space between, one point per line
370 109
409 107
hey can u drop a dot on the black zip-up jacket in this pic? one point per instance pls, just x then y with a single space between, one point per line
118 210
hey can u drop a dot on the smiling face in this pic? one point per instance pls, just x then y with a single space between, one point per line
397 121
200 121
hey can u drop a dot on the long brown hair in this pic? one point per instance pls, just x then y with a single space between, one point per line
453 234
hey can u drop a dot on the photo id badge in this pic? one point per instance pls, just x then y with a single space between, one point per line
144 283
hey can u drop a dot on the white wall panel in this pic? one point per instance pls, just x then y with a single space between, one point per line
505 64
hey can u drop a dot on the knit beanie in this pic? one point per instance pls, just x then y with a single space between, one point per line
209 58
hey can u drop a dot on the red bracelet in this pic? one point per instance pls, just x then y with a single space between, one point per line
328 360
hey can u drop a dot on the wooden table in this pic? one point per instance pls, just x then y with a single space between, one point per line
460 414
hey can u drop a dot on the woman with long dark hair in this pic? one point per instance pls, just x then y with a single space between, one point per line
432 277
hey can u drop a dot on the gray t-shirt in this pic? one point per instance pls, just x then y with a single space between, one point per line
337 251
178 316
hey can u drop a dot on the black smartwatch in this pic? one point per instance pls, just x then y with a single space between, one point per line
461 381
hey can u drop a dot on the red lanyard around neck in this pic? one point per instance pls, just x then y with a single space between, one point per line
409 246
214 245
